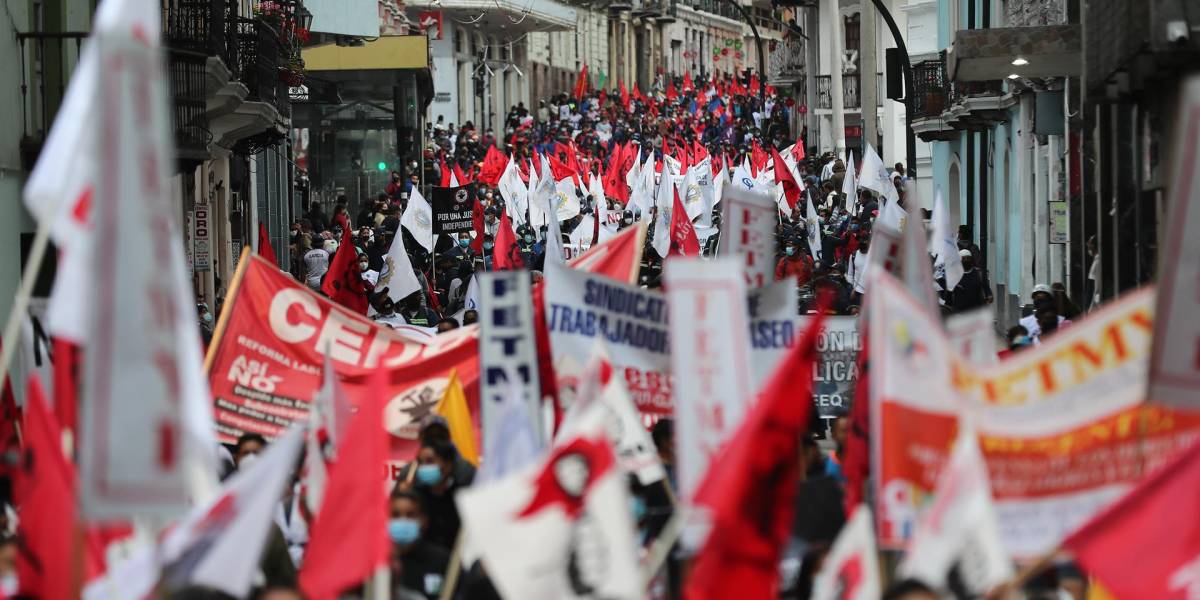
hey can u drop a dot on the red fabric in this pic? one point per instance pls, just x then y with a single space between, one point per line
718 163
506 255
494 164
561 170
1155 527
445 172
45 497
751 489
754 84
625 99
800 268
856 461
614 179
783 175
349 536
637 94
537 164
683 235
581 83
687 82
698 151
602 98
265 249
798 150
434 304
477 225
67 371
671 93
459 175
344 283
758 157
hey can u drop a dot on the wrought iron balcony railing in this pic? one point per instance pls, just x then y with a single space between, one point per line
48 59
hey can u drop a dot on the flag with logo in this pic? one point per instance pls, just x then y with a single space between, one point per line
397 276
851 569
418 220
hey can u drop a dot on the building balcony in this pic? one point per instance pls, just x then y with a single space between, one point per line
786 61
851 97
48 59
932 95
1038 52
510 16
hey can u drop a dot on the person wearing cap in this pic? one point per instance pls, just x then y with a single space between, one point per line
972 290
1045 317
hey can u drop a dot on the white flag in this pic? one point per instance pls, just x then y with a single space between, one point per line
219 543
851 569
604 402
664 201
329 416
559 529
812 227
418 220
875 176
515 194
554 203
960 527
850 185
398 276
944 243
148 434
565 201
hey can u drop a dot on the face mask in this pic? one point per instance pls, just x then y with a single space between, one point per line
429 474
207 318
488 246
362 266
464 243
404 531
1021 340
529 239
790 251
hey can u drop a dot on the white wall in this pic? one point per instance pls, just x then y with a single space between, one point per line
445 77
13 218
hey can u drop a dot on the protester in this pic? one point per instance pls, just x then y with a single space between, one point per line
436 485
419 564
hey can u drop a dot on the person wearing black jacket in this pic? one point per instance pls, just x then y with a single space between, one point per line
418 564
972 290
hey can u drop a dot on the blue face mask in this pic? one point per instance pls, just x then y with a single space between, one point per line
529 239
464 243
404 531
429 474
488 246
790 251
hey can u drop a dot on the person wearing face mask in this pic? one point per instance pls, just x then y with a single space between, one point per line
395 186
434 482
247 448
418 564
369 275
206 322
385 310
795 262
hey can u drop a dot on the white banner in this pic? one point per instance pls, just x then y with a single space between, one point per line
774 326
710 358
973 335
506 346
749 232
582 307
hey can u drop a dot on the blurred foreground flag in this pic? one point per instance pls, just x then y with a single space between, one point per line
147 444
851 570
1155 527
559 529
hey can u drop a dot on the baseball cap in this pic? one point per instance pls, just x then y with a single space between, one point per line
1041 288
964 253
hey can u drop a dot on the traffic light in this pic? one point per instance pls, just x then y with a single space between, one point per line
381 166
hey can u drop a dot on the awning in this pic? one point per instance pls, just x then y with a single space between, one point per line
506 17
988 54
390 52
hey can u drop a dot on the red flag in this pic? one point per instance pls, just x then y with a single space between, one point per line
581 83
637 94
265 249
45 497
537 165
67 371
699 151
758 157
494 164
687 82
434 304
349 536
343 282
671 93
507 256
856 464
445 171
625 100
459 175
613 180
683 235
1159 514
561 170
798 154
751 490
602 98
783 175
477 225
754 83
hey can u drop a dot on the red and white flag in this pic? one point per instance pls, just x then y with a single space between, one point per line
148 436
851 569
559 529
328 419
1147 544
219 544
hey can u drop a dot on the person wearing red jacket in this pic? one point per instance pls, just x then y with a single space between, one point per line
794 263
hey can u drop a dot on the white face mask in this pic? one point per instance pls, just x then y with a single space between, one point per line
9 585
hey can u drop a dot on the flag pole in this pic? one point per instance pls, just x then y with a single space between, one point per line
452 569
37 253
662 546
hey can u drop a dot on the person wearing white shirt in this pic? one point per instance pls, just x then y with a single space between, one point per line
1042 297
856 271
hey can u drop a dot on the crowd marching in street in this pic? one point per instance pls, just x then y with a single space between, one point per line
640 344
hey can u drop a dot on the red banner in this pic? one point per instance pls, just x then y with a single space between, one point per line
264 364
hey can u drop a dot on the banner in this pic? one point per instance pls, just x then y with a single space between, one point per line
774 327
631 321
507 353
973 335
453 209
710 352
619 257
750 221
1063 427
264 363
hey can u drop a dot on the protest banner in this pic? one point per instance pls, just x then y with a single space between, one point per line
453 208
507 354
619 257
750 223
973 335
774 327
1063 427
710 358
581 307
1175 366
264 363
